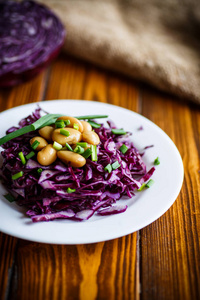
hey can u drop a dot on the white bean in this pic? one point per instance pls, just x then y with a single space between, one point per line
75 159
73 138
86 126
72 122
46 132
47 155
42 142
91 137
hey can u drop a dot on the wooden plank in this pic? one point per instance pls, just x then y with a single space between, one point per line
95 271
66 79
31 91
45 272
73 79
7 251
170 246
28 92
104 270
90 83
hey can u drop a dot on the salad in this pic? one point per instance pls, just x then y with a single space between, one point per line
64 167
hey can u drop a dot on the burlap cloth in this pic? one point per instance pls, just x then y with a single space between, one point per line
156 41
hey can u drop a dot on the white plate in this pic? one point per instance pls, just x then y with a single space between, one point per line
144 208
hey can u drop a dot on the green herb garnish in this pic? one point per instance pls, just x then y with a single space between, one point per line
64 132
21 156
46 120
68 147
9 197
39 170
108 168
115 165
91 117
157 161
94 152
17 175
149 183
67 122
59 124
69 190
30 154
78 149
94 124
35 145
75 126
118 131
82 144
146 185
123 149
57 146
87 153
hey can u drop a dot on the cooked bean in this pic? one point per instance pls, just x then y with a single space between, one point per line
72 122
42 142
86 126
91 137
73 138
46 132
47 155
75 159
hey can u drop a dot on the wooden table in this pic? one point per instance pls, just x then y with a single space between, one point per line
160 261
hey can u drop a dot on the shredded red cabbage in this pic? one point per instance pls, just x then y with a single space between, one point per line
30 37
45 194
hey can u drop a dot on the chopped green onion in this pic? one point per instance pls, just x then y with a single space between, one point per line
30 154
68 147
43 121
9 197
91 117
118 131
115 165
149 183
69 190
64 132
59 124
94 124
143 186
87 153
35 145
75 126
108 168
16 133
146 185
57 146
123 149
46 120
82 144
78 149
157 161
94 152
39 170
21 156
67 122
17 175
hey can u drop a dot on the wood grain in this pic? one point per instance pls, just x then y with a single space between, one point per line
7 256
10 97
97 271
175 251
82 271
159 262
25 93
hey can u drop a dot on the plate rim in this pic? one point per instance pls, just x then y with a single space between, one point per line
90 240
